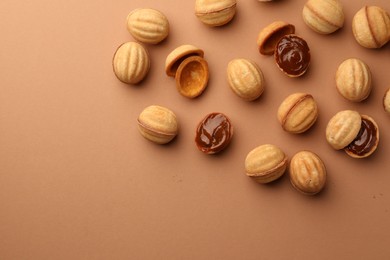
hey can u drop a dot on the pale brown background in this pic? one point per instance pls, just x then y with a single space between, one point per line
77 181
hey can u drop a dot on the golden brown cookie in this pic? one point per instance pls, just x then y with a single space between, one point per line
215 12
297 113
245 78
357 135
148 25
265 163
192 76
323 16
307 173
353 80
131 63
270 35
371 27
158 124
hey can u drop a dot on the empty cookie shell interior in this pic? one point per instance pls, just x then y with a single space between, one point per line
178 55
366 140
192 76
270 36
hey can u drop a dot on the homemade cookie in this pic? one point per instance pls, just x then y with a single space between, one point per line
323 16
353 80
265 163
292 55
357 135
371 27
270 35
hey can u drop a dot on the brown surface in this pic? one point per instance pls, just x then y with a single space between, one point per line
77 180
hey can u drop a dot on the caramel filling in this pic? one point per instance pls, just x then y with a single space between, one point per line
214 133
292 54
365 140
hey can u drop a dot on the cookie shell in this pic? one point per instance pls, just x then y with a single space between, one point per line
131 63
192 76
265 163
270 35
158 124
307 173
297 113
245 78
343 128
175 57
386 101
323 16
215 12
371 27
148 25
353 80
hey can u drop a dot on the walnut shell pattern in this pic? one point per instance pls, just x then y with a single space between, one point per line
323 16
307 173
148 25
215 12
131 62
297 113
245 79
353 80
343 128
158 124
265 163
371 27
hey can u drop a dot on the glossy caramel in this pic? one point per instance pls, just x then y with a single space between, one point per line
214 133
366 139
292 55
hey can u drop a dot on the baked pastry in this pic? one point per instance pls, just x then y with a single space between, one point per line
192 76
357 135
307 173
245 79
175 57
148 25
297 113
371 27
266 163
386 101
158 124
131 63
353 80
323 16
190 69
292 55
215 12
270 35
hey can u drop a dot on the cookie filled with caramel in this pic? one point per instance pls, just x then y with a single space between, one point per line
366 141
292 55
357 135
291 52
214 133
